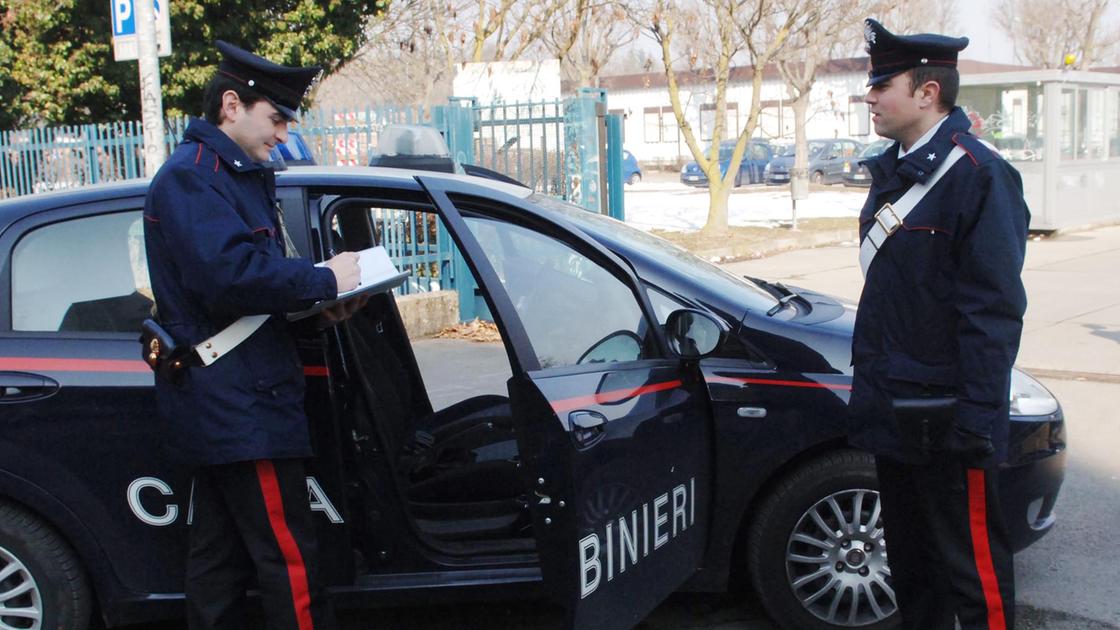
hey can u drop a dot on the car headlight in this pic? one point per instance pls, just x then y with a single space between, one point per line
1029 397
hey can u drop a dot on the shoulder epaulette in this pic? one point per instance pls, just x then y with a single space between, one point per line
978 150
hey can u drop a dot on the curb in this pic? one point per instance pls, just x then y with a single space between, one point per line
750 251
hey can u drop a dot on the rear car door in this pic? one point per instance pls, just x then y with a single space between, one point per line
79 416
615 434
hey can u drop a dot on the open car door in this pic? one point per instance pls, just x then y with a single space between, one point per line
613 429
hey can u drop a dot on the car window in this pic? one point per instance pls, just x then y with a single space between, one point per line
663 253
82 275
875 148
573 310
758 152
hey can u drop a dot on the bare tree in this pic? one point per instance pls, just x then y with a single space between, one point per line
411 53
915 16
1044 32
585 34
706 37
826 28
505 30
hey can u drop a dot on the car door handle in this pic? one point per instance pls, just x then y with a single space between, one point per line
751 412
18 387
587 427
586 420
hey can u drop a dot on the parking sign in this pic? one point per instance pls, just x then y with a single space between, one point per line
124 29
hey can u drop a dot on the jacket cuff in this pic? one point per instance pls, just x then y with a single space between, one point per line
976 418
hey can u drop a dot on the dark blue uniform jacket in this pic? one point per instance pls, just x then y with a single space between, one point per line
942 305
215 254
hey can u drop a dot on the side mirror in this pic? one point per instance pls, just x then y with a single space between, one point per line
694 334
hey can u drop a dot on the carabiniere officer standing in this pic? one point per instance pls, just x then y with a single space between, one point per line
216 252
943 236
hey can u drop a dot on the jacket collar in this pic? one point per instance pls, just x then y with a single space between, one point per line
234 156
920 164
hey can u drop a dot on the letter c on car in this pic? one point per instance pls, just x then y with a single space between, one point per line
134 489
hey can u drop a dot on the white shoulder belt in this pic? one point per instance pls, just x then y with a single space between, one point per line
889 218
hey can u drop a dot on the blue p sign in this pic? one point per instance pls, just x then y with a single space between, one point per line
124 21
124 18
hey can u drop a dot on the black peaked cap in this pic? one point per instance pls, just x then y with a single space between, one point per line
891 54
283 86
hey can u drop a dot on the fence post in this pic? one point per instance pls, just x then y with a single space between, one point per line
581 151
616 197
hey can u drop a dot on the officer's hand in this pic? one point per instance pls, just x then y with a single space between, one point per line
969 448
347 274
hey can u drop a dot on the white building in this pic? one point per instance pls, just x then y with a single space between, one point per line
836 108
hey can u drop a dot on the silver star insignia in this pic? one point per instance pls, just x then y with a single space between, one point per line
237 163
931 157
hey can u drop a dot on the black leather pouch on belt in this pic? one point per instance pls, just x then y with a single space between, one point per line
924 423
167 359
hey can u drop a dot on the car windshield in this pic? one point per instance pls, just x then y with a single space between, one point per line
815 148
875 148
699 271
788 150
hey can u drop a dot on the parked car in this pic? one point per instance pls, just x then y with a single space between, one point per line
856 174
663 424
631 172
826 161
755 158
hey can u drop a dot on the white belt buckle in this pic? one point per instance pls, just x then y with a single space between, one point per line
888 211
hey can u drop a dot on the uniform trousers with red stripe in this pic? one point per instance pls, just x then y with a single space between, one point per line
251 526
948 547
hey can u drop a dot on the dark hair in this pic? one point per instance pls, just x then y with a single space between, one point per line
948 78
212 97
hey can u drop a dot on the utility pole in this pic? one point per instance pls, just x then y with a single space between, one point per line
151 98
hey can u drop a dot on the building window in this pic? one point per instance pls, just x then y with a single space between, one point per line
775 119
651 123
708 121
859 117
660 124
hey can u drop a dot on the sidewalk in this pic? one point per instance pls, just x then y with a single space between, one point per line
1072 325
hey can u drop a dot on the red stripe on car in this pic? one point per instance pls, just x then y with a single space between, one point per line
604 398
737 380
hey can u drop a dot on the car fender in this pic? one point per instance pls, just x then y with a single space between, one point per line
106 586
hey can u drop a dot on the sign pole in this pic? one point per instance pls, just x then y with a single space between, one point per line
151 98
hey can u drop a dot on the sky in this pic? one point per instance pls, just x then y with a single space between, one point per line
986 42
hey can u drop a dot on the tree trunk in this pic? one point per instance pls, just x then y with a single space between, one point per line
718 193
801 158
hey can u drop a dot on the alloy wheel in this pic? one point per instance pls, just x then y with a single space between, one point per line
21 604
836 560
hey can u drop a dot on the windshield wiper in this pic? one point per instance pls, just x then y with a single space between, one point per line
784 294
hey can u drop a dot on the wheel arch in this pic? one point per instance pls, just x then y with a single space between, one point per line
41 504
720 571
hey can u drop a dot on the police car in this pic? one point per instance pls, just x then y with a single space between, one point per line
660 424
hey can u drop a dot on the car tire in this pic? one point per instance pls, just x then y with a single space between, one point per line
798 569
739 179
42 573
634 178
817 177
